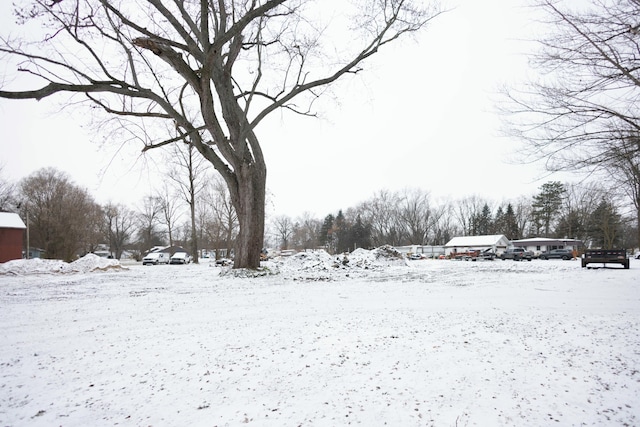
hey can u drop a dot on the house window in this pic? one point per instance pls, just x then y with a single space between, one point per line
538 248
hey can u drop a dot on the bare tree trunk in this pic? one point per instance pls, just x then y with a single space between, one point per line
250 208
192 208
194 235
638 226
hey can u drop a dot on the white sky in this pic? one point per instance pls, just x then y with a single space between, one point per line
421 115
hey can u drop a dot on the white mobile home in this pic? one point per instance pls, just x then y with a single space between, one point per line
426 251
497 243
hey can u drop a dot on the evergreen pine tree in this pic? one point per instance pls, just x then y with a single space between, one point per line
341 233
360 234
606 226
546 205
483 223
326 233
511 229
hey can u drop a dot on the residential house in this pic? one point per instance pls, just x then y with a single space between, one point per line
537 245
11 236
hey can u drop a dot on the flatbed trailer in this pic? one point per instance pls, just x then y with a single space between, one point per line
474 255
605 256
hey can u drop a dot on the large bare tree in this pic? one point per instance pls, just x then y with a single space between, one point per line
7 193
581 113
214 69
61 215
119 226
188 176
222 222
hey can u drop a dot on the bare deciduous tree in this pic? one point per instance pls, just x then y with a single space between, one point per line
188 178
283 228
149 217
578 205
380 213
60 214
119 225
170 211
444 228
222 223
414 215
214 70
7 194
582 113
306 231
467 211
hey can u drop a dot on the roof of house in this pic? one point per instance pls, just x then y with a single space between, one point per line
11 220
545 240
470 241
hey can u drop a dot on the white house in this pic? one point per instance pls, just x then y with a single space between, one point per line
424 250
498 243
543 244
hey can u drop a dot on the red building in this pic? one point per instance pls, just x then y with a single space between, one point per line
11 236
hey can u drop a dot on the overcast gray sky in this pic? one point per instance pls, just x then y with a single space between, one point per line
421 115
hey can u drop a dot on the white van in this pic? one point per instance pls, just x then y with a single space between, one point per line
156 258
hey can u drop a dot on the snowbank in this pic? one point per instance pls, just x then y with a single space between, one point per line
87 264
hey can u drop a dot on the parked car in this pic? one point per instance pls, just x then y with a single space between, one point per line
155 258
557 254
181 258
516 254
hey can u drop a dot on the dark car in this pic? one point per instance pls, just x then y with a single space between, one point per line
557 254
516 254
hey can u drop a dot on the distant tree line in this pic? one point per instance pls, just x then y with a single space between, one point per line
411 217
66 222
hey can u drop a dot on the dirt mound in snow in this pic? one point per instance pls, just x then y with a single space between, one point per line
87 264
319 265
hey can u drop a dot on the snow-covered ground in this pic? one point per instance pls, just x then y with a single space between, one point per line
323 342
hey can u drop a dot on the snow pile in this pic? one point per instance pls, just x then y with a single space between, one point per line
383 256
87 264
305 266
92 262
320 266
310 261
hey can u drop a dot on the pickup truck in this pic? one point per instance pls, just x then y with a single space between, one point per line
605 256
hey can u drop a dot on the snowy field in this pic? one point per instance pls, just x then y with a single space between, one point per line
373 342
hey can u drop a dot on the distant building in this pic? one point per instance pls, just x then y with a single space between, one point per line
426 251
11 236
538 245
497 243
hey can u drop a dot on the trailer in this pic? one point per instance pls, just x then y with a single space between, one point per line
474 255
605 256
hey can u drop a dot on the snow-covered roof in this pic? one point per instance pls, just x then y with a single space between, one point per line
11 220
471 241
544 240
